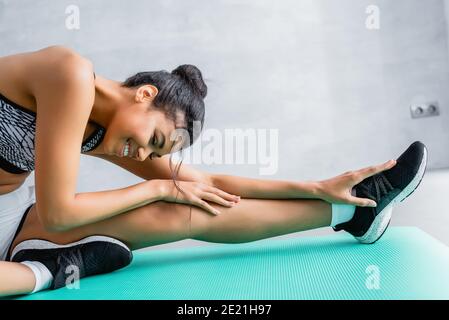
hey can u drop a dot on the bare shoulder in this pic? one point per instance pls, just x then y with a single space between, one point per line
61 65
24 76
49 60
61 56
61 73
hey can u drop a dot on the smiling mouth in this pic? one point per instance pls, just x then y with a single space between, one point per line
127 143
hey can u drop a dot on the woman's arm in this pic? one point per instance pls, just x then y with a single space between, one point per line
335 190
159 168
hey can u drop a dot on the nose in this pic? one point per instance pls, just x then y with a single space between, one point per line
141 154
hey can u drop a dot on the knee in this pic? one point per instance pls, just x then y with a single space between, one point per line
169 216
191 221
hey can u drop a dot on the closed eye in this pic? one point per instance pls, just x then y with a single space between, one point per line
154 142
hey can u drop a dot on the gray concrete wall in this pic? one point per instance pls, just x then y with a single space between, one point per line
337 92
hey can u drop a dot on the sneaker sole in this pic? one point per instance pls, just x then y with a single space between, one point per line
382 220
44 244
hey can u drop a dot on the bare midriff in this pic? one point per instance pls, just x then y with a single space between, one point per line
10 182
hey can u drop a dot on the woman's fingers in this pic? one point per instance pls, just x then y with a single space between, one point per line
204 205
372 170
198 203
196 193
217 199
222 194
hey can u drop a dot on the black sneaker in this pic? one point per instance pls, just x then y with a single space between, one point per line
91 255
386 188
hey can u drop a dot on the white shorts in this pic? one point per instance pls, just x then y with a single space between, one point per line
12 208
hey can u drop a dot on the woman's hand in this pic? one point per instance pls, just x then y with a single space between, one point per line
196 193
338 189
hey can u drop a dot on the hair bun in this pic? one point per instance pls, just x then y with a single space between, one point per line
192 75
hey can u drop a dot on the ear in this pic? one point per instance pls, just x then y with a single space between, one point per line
146 92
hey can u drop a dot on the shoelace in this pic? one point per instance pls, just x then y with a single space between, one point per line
379 183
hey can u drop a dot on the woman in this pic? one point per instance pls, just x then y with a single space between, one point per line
130 124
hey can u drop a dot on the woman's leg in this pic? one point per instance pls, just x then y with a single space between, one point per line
255 219
162 222
15 278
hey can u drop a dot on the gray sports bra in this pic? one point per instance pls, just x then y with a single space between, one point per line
17 131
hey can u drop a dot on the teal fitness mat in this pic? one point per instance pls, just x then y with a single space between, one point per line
406 263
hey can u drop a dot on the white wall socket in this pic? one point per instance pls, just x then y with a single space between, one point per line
427 109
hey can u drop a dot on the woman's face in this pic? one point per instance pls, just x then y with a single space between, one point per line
146 131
